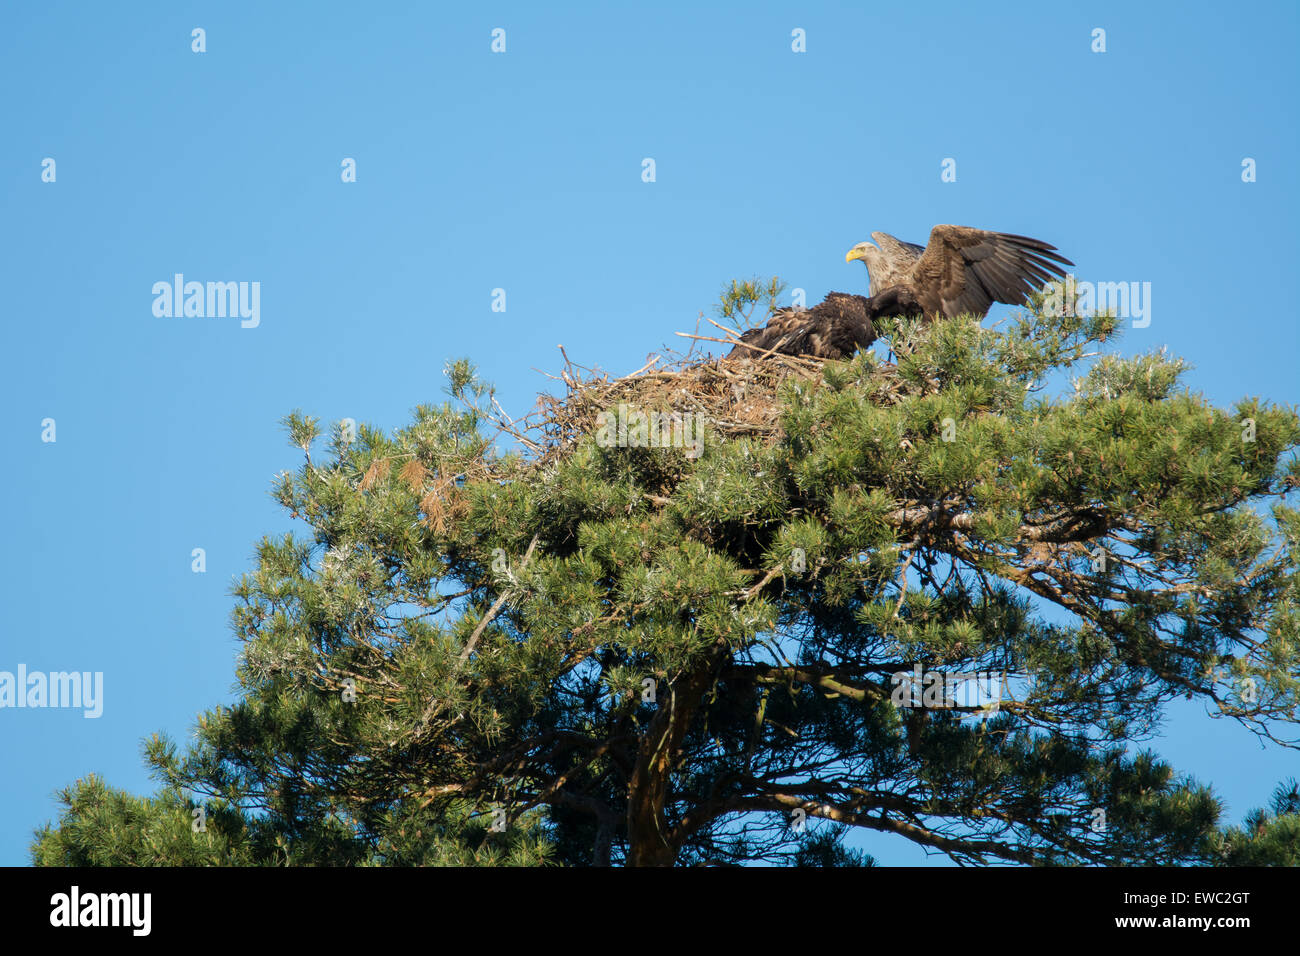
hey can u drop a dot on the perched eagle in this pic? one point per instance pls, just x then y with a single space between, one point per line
834 328
960 270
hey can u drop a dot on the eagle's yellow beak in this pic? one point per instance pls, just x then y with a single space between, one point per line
854 253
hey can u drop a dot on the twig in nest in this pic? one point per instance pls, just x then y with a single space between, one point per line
809 361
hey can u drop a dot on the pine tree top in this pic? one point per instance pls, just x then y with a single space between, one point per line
944 596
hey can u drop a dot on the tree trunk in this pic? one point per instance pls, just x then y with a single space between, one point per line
649 841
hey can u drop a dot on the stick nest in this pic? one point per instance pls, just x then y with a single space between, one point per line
736 397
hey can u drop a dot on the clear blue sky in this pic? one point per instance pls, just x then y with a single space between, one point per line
523 171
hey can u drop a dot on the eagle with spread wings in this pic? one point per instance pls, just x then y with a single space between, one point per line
961 270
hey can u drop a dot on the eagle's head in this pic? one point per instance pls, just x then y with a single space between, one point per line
865 251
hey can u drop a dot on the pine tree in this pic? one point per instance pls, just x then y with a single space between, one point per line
948 601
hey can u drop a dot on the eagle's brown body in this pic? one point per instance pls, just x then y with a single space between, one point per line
835 328
960 271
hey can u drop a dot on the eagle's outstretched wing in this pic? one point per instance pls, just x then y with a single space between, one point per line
967 270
